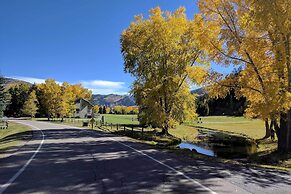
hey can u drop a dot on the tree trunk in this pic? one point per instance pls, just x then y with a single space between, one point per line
165 131
288 64
268 129
277 128
165 128
282 133
288 133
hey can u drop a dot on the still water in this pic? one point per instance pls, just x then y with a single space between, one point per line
199 149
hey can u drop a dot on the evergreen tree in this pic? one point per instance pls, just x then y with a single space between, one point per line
3 97
100 110
18 95
104 110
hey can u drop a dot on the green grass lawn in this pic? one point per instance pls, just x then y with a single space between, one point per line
184 132
253 128
120 119
108 118
14 135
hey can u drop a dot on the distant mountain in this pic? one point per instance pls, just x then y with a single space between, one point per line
113 100
9 82
199 91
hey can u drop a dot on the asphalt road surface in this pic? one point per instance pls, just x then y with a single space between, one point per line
64 159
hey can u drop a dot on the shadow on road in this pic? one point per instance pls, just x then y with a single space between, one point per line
85 161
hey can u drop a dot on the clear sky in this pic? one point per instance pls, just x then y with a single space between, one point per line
72 40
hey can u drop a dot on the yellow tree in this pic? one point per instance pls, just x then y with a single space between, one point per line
96 109
108 109
81 92
277 28
67 101
30 105
49 97
162 54
135 110
117 109
232 32
228 36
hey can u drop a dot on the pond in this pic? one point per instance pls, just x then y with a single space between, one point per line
217 144
199 149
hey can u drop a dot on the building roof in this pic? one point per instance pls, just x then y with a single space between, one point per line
85 101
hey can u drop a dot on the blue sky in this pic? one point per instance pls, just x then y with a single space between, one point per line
71 40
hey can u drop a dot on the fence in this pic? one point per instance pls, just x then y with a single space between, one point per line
108 126
3 124
123 127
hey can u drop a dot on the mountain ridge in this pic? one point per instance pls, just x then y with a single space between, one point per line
113 100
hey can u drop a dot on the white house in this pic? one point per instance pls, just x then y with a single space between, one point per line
83 108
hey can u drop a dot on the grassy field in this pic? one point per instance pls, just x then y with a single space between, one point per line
253 128
120 119
108 118
184 132
14 135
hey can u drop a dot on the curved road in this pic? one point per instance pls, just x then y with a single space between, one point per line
64 159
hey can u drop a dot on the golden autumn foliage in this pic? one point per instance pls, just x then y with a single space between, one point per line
59 100
96 109
49 97
30 105
67 101
125 110
163 55
255 36
229 34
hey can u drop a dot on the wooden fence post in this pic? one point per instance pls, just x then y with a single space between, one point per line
142 132
111 125
123 127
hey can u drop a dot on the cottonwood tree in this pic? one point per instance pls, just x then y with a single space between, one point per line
30 105
49 94
162 54
232 32
96 109
59 100
81 92
277 28
67 99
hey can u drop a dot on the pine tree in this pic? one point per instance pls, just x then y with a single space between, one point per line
3 97
104 110
100 110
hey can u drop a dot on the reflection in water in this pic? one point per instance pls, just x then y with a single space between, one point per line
223 145
199 149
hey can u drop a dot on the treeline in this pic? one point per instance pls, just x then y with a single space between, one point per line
116 110
48 99
229 105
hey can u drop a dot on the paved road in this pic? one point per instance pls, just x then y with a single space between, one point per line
63 159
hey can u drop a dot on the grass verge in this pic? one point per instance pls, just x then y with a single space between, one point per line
14 135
